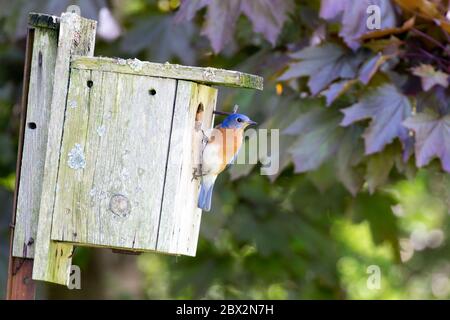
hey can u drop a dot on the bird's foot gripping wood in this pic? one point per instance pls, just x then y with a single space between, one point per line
197 173
206 139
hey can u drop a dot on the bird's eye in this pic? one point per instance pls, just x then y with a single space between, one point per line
239 120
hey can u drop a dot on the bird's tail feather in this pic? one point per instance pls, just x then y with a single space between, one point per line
206 190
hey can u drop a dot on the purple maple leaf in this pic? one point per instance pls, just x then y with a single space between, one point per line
323 64
318 138
432 137
353 17
267 17
387 108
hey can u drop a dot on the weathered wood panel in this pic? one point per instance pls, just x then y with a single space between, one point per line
113 159
19 284
35 140
174 71
180 218
52 260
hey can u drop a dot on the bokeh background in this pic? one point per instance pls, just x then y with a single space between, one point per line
310 232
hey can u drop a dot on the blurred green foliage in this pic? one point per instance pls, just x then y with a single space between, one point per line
294 236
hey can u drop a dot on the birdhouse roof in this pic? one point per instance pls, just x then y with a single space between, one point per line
167 70
212 76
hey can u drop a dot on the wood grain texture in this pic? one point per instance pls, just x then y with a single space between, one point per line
111 194
166 70
180 217
23 287
35 140
52 260
19 283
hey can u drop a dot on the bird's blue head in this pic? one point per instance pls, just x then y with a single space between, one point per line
237 121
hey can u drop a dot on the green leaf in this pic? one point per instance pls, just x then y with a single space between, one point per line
377 209
349 155
324 177
379 166
9 182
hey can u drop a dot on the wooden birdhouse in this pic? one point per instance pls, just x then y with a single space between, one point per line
109 148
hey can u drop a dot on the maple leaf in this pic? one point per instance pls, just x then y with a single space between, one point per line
430 77
337 89
173 40
432 132
438 99
370 67
379 166
285 112
318 139
267 17
353 17
348 157
387 108
220 22
377 210
188 9
323 65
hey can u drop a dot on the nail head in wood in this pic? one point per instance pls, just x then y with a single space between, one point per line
120 205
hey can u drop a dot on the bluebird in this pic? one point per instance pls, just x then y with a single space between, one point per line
220 151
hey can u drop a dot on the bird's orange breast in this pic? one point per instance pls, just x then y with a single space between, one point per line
230 141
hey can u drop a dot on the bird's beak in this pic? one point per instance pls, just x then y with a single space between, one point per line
252 123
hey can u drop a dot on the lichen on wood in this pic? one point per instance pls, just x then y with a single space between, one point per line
211 76
53 260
